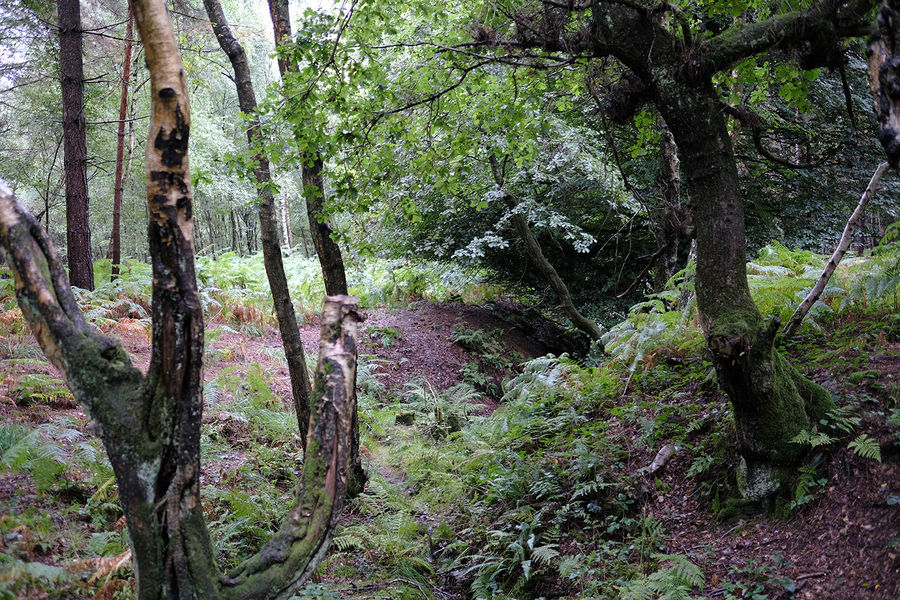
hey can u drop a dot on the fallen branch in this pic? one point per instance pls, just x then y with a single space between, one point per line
799 314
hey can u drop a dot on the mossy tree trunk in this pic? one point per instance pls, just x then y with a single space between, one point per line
772 401
268 223
150 425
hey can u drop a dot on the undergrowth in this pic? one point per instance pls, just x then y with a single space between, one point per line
551 494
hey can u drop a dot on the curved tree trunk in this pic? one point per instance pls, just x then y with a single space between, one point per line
78 231
150 424
772 401
539 261
268 222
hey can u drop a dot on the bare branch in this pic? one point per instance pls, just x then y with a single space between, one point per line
846 237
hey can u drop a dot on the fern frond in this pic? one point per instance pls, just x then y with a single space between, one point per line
348 541
542 555
866 446
813 438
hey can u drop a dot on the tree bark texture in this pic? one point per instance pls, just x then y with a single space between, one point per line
676 221
327 250
78 232
884 78
279 11
291 556
772 401
268 222
539 261
150 424
846 237
115 239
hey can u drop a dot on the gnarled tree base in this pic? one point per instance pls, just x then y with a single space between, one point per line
772 403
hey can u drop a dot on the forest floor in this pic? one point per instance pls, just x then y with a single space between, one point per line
842 543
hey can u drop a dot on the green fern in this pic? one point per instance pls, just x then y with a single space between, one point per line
348 541
674 582
843 418
542 555
866 446
813 438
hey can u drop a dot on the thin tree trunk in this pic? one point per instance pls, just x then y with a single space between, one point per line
846 237
284 308
115 240
543 266
305 243
675 224
286 222
234 233
78 232
328 251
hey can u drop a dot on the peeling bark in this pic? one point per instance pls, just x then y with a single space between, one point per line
150 424
291 556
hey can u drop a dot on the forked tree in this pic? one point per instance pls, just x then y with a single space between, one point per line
150 424
672 62
334 285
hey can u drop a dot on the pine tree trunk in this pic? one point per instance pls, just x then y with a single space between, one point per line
115 239
78 232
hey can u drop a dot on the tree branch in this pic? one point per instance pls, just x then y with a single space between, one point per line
846 237
822 24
